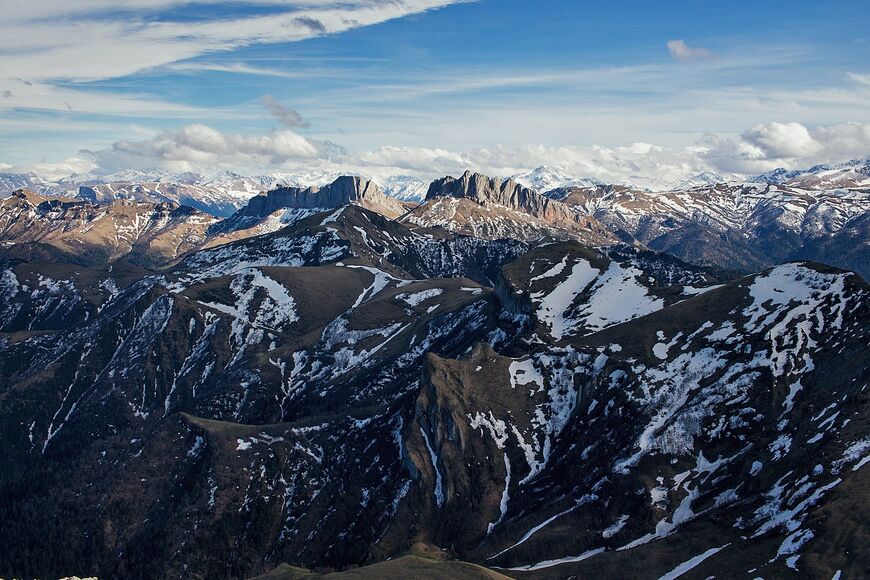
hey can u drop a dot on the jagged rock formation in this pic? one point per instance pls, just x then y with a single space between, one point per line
485 207
302 201
485 190
820 213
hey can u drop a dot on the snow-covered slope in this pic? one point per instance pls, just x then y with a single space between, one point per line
545 178
743 226
573 292
709 419
347 388
151 234
404 187
851 174
10 182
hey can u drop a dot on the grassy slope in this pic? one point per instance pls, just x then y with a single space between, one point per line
422 561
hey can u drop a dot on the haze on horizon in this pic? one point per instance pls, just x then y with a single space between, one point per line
428 87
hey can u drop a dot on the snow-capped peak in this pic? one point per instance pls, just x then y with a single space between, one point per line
545 178
404 187
853 173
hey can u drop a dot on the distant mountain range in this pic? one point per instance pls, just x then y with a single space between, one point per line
821 215
224 193
219 195
851 174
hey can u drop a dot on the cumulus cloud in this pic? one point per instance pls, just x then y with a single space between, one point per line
420 160
760 148
640 164
782 140
199 147
844 140
791 145
84 163
683 52
289 117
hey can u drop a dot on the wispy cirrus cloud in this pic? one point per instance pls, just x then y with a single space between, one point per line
81 73
51 42
98 43
239 68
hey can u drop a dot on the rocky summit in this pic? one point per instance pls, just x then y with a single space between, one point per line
485 207
294 202
420 393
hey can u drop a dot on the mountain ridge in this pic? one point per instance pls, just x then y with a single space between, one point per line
541 178
332 393
744 226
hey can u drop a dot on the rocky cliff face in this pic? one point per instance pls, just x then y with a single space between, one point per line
508 193
486 207
342 191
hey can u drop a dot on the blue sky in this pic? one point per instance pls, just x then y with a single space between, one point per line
423 86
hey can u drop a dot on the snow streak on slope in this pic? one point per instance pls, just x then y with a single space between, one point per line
589 299
554 306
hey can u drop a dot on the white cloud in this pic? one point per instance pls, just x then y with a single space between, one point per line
782 140
790 145
235 68
640 163
845 140
44 96
49 42
418 160
761 148
683 52
100 45
204 149
73 165
199 147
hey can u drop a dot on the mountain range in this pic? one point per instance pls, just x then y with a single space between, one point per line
223 193
820 214
219 195
478 380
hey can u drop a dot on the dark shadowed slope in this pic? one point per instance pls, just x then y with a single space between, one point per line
336 392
